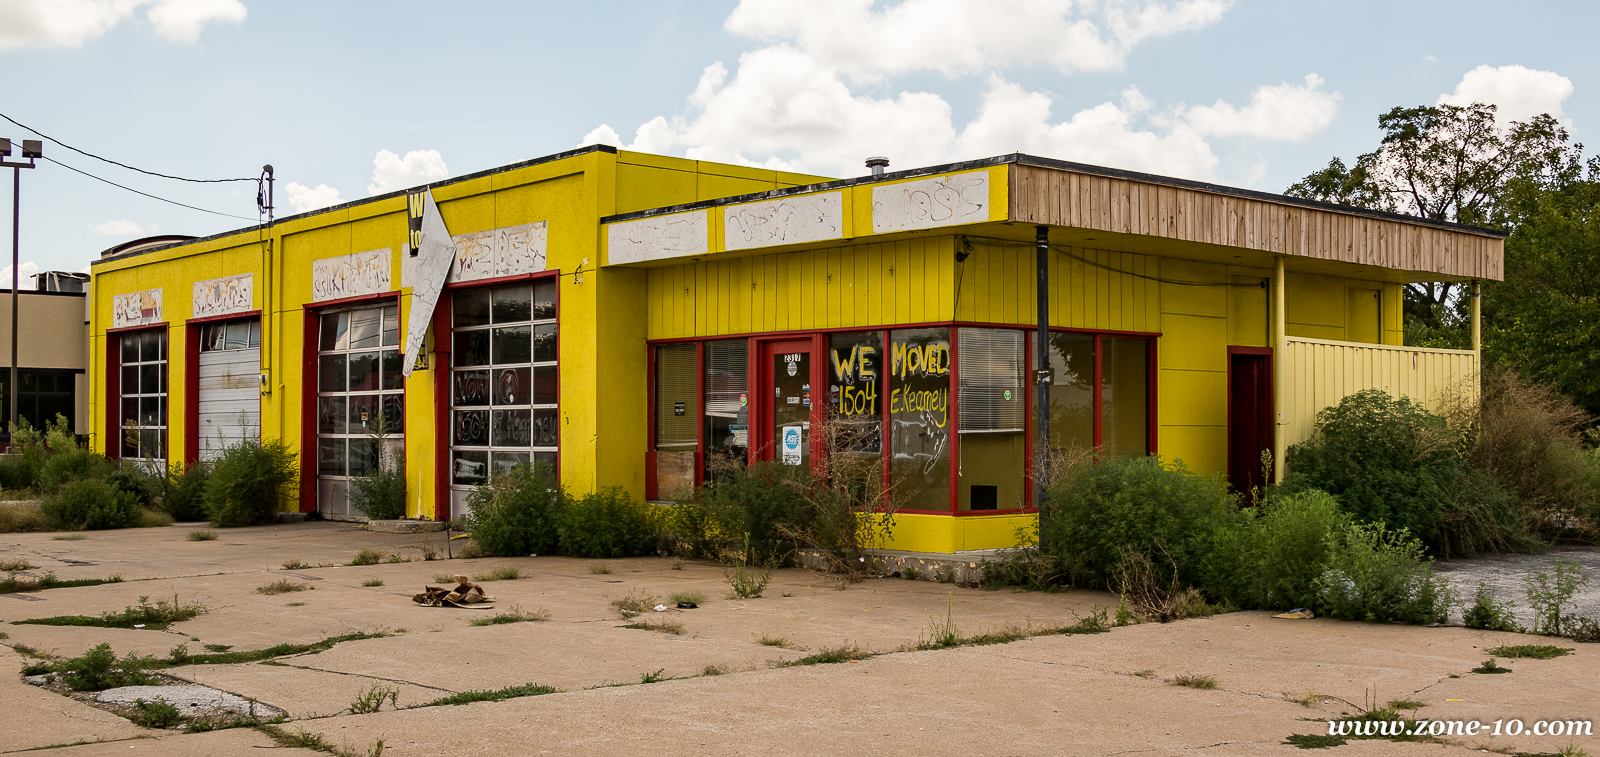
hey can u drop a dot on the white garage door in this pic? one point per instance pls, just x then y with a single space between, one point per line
230 392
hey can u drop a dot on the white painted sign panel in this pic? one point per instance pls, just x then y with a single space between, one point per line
788 220
136 308
791 443
499 252
931 202
350 275
436 253
224 296
657 238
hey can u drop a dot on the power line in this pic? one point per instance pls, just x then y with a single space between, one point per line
147 194
115 163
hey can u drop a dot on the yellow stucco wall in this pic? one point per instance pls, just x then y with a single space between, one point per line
601 311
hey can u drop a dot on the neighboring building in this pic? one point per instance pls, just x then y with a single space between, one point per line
52 353
624 316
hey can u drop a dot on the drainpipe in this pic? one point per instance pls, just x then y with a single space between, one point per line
1280 364
1042 350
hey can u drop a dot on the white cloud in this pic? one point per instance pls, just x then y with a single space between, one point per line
25 274
71 23
391 172
1289 112
182 20
123 227
962 36
305 199
1519 92
601 135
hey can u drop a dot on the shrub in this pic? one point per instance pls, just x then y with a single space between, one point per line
62 468
1527 436
99 669
1378 574
91 503
607 523
1483 518
1387 460
15 518
744 508
1488 615
248 479
16 473
183 491
1271 556
155 714
1550 596
1099 513
517 512
747 583
133 479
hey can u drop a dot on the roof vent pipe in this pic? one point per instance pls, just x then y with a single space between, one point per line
877 163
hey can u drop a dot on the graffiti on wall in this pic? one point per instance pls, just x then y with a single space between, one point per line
224 296
657 238
931 202
499 252
350 275
136 308
789 220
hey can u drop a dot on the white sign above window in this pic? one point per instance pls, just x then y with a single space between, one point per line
499 252
352 275
136 309
224 296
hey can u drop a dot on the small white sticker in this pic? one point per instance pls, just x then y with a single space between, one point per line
791 445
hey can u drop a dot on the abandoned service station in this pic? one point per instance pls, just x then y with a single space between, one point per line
631 319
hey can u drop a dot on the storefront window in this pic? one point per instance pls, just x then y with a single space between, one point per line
1122 425
503 381
143 392
727 406
677 435
919 418
45 394
1125 396
855 392
992 416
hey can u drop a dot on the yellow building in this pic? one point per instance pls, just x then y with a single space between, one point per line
626 317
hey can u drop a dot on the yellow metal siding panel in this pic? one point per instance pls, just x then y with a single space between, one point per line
1322 372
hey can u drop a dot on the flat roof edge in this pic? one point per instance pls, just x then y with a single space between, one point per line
1085 168
375 198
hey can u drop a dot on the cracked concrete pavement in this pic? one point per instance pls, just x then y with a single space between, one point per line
1099 694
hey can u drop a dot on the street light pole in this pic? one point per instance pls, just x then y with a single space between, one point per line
31 149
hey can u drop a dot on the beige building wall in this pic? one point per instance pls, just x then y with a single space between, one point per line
53 333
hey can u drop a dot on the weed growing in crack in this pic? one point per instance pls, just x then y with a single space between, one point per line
371 699
281 586
510 692
665 625
516 615
1195 681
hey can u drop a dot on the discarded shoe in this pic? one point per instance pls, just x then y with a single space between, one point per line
687 605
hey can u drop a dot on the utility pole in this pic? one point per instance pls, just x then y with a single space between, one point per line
32 149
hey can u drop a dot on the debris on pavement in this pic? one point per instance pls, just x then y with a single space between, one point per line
1298 613
466 594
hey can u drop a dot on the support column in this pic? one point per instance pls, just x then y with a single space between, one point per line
1280 366
1477 334
1041 378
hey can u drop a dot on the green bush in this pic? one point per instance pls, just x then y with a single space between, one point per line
517 513
381 493
608 523
66 466
248 479
748 508
1272 556
1388 461
1486 614
91 503
1097 515
183 491
134 479
1484 518
99 669
1378 574
16 473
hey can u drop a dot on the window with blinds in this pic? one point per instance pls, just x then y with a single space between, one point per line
676 386
989 380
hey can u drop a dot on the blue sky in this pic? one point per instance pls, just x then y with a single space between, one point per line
347 98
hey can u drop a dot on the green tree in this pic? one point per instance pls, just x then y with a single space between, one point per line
1544 319
1447 163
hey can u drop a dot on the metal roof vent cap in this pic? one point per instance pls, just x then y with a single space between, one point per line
877 163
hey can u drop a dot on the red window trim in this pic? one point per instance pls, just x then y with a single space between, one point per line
113 441
228 317
819 344
443 336
310 315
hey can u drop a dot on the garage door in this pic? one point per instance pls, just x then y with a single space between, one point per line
230 392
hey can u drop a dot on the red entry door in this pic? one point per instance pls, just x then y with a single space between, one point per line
1250 419
786 395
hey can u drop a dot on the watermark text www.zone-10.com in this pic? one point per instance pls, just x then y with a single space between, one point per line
1424 727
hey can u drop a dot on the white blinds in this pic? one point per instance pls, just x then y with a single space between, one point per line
676 385
989 380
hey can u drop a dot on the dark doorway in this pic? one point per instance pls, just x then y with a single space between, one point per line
1250 423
